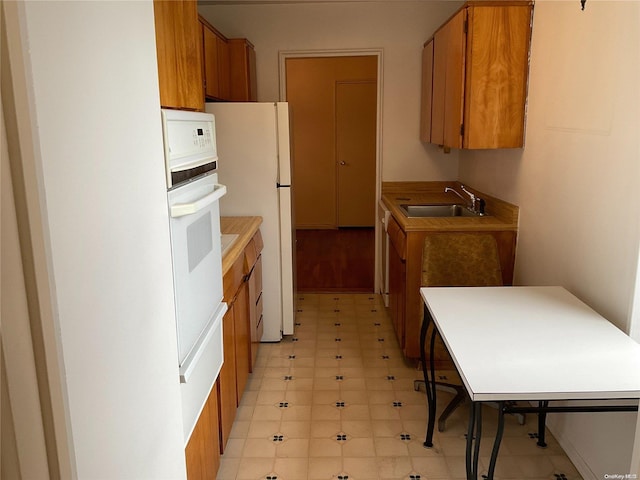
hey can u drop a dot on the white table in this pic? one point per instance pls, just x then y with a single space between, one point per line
532 344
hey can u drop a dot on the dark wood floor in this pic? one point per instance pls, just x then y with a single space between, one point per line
341 260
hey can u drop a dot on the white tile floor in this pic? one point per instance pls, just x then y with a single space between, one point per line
336 401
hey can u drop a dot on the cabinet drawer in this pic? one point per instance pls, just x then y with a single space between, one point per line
397 238
232 280
259 312
250 255
252 252
256 278
260 328
257 238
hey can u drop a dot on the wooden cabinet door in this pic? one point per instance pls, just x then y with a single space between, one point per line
203 449
479 78
242 71
255 309
210 51
241 324
448 82
179 51
397 278
454 75
224 77
227 391
427 92
397 288
497 65
216 62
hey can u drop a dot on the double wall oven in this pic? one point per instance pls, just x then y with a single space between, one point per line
193 201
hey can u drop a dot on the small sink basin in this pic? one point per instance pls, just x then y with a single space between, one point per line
437 210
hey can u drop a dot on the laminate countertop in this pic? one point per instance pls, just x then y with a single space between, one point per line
245 228
500 215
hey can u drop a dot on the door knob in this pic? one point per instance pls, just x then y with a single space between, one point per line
343 163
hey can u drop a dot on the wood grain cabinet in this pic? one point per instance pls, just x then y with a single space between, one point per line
242 70
397 277
227 390
215 49
179 51
475 77
235 371
229 69
253 271
405 278
242 285
203 449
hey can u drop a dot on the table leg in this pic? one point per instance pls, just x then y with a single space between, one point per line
497 441
476 450
542 420
430 386
474 434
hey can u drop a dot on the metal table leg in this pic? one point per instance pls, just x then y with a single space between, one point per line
542 420
430 386
474 433
497 441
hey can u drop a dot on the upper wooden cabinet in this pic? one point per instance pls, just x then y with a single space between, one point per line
475 74
242 68
427 92
216 62
229 66
179 49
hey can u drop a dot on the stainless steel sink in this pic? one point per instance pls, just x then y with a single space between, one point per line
437 210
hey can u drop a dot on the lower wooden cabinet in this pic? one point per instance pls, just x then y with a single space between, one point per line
226 384
405 277
203 450
239 285
242 339
242 286
253 269
397 292
255 309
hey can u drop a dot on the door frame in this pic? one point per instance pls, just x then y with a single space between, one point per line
42 425
375 52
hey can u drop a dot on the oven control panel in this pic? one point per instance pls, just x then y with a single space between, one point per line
189 139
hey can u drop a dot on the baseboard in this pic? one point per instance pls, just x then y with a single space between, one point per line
571 452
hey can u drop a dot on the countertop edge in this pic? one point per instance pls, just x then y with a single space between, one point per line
245 228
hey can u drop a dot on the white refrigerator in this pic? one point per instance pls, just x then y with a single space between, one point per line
255 164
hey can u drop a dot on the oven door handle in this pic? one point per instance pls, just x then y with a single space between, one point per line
182 209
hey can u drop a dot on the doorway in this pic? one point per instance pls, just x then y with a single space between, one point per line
334 117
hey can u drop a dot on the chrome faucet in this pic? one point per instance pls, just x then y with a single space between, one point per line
476 204
471 196
448 189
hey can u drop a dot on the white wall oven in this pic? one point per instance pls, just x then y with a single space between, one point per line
193 202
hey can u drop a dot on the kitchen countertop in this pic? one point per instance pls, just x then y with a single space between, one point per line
501 215
245 228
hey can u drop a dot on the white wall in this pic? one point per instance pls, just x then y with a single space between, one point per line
95 92
399 28
577 184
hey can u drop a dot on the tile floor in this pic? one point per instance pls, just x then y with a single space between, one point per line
336 401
